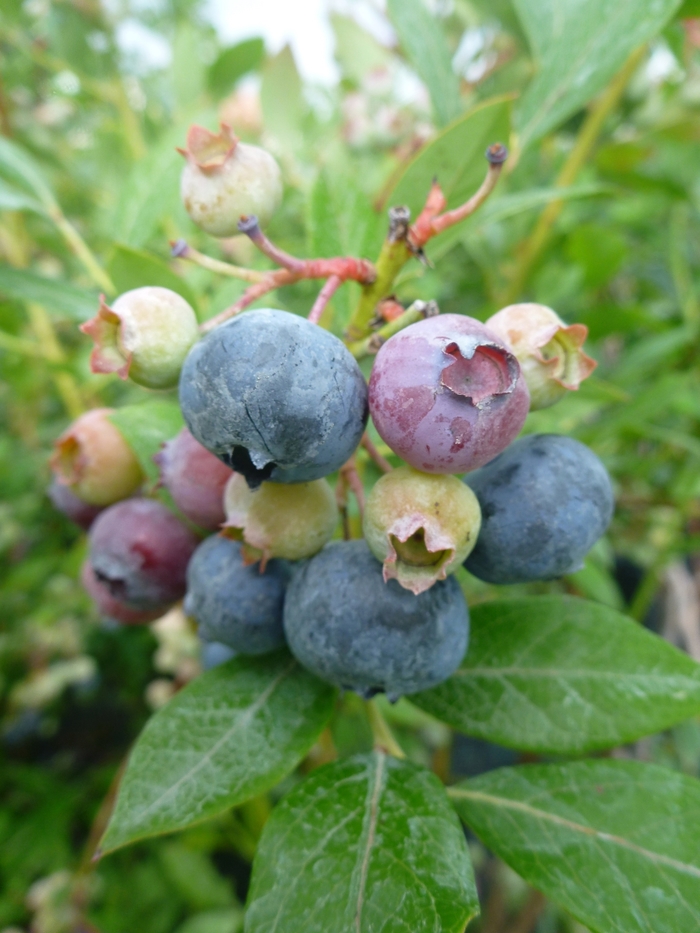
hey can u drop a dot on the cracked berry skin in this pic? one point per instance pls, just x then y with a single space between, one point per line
275 397
232 602
447 395
139 550
195 479
350 628
544 503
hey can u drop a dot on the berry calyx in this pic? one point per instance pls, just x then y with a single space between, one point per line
421 526
225 179
94 461
277 520
549 352
145 335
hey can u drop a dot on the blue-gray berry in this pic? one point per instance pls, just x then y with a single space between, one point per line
348 626
544 501
232 602
275 397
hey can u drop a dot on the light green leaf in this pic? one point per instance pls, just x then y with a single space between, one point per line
281 99
362 845
614 842
579 47
232 64
214 921
145 427
563 675
17 165
133 268
12 199
60 298
424 45
231 734
456 158
501 208
356 51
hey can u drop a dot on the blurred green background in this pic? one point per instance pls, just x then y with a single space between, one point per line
88 203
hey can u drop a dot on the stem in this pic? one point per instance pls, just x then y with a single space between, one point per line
269 283
529 914
418 311
324 296
383 736
251 228
393 257
644 596
181 250
585 141
79 248
374 454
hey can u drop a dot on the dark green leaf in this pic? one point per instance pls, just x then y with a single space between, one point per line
133 268
145 427
614 842
562 675
231 734
233 63
362 845
426 49
579 48
60 298
456 158
280 96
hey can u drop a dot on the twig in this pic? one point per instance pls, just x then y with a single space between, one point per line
418 311
180 249
269 282
383 736
352 479
374 454
324 296
525 921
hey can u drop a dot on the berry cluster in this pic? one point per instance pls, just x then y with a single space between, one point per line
275 404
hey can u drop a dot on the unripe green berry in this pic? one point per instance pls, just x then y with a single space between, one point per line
94 461
225 179
289 520
550 353
421 526
145 336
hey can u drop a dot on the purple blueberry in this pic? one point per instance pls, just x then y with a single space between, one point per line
348 626
232 601
139 550
111 608
195 479
72 506
544 501
275 397
447 395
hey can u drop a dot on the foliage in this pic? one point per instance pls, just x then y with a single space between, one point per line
596 216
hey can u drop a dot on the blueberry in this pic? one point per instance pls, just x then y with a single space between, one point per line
545 501
275 397
348 626
215 653
232 601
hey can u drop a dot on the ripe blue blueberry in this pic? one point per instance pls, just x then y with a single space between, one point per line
275 397
348 626
233 602
544 501
215 653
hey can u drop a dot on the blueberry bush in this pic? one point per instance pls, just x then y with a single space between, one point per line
350 473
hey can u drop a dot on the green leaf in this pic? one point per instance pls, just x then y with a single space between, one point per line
502 208
12 199
579 48
232 64
614 842
281 99
325 240
214 921
562 675
62 299
362 845
145 427
231 734
357 52
17 165
424 45
456 158
133 268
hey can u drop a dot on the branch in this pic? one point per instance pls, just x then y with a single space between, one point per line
374 454
372 344
324 296
269 283
180 249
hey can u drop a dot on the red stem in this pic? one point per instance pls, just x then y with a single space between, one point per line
324 296
374 454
